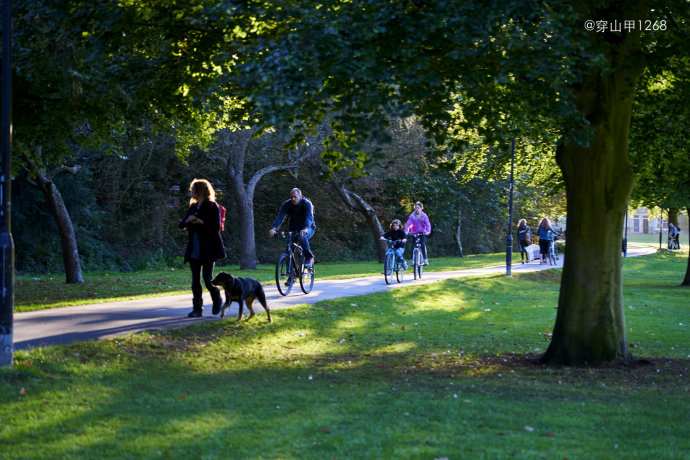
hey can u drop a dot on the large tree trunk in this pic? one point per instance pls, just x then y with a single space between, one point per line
355 202
233 146
590 323
458 233
70 252
245 208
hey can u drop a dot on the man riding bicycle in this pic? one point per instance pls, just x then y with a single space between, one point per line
301 213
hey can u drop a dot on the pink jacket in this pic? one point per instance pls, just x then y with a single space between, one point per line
418 224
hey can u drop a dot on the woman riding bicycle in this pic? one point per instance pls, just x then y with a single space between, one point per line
418 224
397 234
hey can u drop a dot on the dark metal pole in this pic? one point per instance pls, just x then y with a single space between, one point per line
509 241
661 225
625 238
6 243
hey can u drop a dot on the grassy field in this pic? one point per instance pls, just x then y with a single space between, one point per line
48 291
652 239
422 372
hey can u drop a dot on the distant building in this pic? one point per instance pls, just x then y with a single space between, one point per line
639 221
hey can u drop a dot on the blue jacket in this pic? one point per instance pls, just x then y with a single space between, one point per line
301 215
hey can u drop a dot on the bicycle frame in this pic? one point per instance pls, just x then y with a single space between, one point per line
417 259
288 271
553 251
395 266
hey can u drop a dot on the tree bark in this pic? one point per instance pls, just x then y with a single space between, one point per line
234 147
68 240
355 202
590 323
458 233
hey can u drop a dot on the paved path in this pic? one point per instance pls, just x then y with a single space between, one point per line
106 320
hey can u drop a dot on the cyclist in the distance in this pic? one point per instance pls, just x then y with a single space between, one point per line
418 224
301 213
397 234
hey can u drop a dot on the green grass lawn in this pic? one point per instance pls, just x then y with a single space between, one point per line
420 372
48 291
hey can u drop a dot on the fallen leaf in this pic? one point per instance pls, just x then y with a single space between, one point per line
22 392
632 345
529 428
550 435
325 430
490 324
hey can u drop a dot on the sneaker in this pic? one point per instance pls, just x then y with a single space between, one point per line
404 265
194 314
309 263
426 262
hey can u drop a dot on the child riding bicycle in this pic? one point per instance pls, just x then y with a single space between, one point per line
418 224
397 234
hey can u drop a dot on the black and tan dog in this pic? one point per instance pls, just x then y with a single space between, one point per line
242 290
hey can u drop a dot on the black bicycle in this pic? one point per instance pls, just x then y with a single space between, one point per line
417 257
290 266
390 264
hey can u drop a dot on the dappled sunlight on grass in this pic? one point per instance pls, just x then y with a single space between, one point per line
448 366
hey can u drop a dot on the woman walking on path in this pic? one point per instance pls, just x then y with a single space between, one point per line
205 245
525 239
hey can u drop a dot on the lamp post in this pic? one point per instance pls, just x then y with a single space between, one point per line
625 238
6 243
509 240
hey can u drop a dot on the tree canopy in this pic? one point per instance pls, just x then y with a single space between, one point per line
537 70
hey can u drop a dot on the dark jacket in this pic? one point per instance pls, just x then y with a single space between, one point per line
525 234
396 235
301 215
208 234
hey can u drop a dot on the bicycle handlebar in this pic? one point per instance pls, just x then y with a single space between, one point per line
284 234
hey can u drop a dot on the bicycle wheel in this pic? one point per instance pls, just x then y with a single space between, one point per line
306 279
284 275
416 262
552 257
400 273
388 264
420 267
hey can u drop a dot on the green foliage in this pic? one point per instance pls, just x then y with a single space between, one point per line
658 145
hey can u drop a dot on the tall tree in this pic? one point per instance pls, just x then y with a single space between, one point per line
659 138
231 149
564 61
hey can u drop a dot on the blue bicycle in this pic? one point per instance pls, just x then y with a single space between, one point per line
391 264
